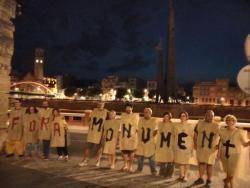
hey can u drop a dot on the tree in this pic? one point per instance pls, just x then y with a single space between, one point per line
151 94
82 92
93 92
138 93
120 93
69 92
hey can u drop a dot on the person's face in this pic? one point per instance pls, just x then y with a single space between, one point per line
32 110
45 104
112 115
17 105
55 113
183 117
230 122
100 105
147 113
129 109
166 118
209 116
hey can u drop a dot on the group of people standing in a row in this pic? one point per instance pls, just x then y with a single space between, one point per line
29 127
163 141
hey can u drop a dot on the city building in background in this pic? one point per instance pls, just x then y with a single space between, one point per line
36 83
219 92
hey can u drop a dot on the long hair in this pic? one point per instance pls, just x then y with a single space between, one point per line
169 115
29 112
186 114
55 109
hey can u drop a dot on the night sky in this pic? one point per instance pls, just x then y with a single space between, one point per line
94 38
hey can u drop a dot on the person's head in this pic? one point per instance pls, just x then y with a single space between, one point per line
183 116
209 116
230 120
129 108
111 114
100 105
167 117
45 104
147 113
31 110
17 104
55 112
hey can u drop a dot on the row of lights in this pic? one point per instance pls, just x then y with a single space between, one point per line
39 61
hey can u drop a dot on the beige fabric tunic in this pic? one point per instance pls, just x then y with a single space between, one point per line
15 129
207 142
230 149
165 142
58 126
146 141
111 131
44 128
129 127
183 143
97 120
31 128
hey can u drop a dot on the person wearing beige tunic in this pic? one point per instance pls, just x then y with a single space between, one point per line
45 114
31 126
14 143
184 133
128 138
164 153
206 141
111 133
146 143
59 129
232 141
95 133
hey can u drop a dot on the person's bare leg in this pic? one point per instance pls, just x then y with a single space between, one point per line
112 158
85 154
182 170
131 161
231 181
125 158
98 156
186 168
226 182
202 167
209 172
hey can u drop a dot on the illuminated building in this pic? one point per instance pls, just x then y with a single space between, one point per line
219 92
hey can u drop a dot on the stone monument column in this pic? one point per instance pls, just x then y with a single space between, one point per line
7 12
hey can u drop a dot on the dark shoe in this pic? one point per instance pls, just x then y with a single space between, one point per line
208 184
10 155
199 181
154 173
137 171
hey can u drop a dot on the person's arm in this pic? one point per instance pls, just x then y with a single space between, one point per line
245 142
195 136
155 130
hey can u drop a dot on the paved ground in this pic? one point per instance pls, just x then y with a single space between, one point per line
38 173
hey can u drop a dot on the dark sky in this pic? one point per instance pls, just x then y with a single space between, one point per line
94 38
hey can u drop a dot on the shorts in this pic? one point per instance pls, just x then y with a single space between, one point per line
93 148
127 152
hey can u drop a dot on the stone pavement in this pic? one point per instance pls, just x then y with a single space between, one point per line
38 173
